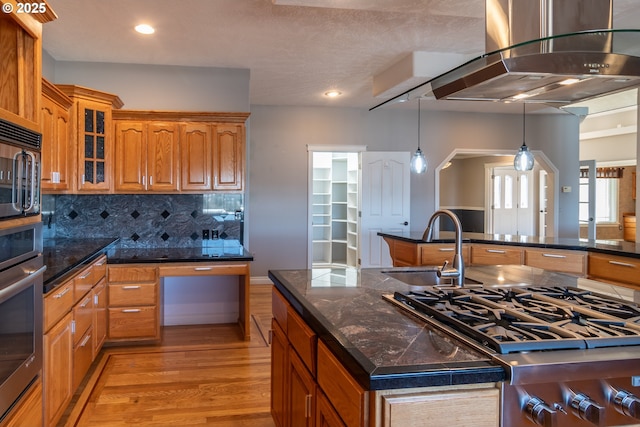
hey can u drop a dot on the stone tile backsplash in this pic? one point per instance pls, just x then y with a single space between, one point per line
166 220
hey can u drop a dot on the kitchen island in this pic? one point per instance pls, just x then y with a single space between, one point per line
389 357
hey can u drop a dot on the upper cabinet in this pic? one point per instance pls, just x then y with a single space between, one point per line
93 139
21 57
55 125
179 151
146 156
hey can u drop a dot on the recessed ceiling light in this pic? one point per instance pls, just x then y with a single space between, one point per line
145 29
333 93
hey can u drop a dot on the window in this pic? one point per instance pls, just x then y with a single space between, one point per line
606 200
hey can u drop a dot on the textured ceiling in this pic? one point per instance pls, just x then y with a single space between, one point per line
295 49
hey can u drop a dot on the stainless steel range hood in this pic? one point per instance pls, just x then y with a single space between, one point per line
553 52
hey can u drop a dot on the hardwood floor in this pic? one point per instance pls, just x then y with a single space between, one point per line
198 375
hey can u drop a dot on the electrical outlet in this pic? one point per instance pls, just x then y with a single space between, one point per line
214 234
205 234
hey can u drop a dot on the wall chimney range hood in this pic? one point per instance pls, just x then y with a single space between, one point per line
552 52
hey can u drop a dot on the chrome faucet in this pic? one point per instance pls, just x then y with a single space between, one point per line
456 271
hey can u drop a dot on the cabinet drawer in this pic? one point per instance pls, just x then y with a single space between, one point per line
279 309
133 294
133 322
197 269
57 303
438 253
303 339
345 394
614 268
82 318
130 274
82 357
557 260
496 255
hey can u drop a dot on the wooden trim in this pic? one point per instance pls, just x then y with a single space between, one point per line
74 91
181 116
52 92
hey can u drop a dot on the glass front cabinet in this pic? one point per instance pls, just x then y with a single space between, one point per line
91 113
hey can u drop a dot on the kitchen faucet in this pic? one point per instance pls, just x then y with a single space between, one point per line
456 271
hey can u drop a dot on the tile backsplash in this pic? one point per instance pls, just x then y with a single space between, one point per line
165 220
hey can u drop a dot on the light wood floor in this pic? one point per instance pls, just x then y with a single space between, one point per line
198 375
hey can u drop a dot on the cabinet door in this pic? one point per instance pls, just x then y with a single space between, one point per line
56 137
196 163
279 359
58 370
301 396
99 316
228 157
326 416
162 158
130 157
94 146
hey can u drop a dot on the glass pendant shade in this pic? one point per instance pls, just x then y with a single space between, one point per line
418 162
523 161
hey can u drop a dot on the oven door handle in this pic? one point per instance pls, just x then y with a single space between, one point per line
21 284
30 171
16 182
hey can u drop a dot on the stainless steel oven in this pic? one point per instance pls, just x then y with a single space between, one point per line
21 272
19 171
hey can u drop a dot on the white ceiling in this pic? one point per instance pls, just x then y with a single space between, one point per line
295 49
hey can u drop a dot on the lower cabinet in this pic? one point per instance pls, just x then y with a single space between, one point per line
134 300
324 394
617 269
496 255
58 369
456 406
29 411
71 321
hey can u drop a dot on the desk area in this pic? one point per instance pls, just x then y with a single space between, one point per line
134 274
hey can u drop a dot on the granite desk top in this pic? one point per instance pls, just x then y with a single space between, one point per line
64 257
382 346
611 247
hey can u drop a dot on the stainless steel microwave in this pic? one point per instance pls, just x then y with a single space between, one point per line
19 171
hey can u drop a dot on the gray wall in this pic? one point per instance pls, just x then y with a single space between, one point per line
276 202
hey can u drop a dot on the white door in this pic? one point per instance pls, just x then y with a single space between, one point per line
587 198
384 203
512 202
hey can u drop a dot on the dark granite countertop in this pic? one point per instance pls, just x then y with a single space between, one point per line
612 247
64 257
382 346
219 250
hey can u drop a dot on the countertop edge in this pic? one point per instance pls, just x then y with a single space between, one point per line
587 246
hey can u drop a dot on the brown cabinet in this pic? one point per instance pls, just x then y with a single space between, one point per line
70 319
21 53
92 137
616 269
58 369
213 156
564 261
133 308
55 124
629 227
146 156
99 297
302 369
407 254
496 255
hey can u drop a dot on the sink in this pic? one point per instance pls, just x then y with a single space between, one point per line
424 276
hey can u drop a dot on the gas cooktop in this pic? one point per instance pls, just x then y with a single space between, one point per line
509 320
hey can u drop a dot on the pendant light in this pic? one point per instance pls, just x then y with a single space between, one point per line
523 161
418 161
